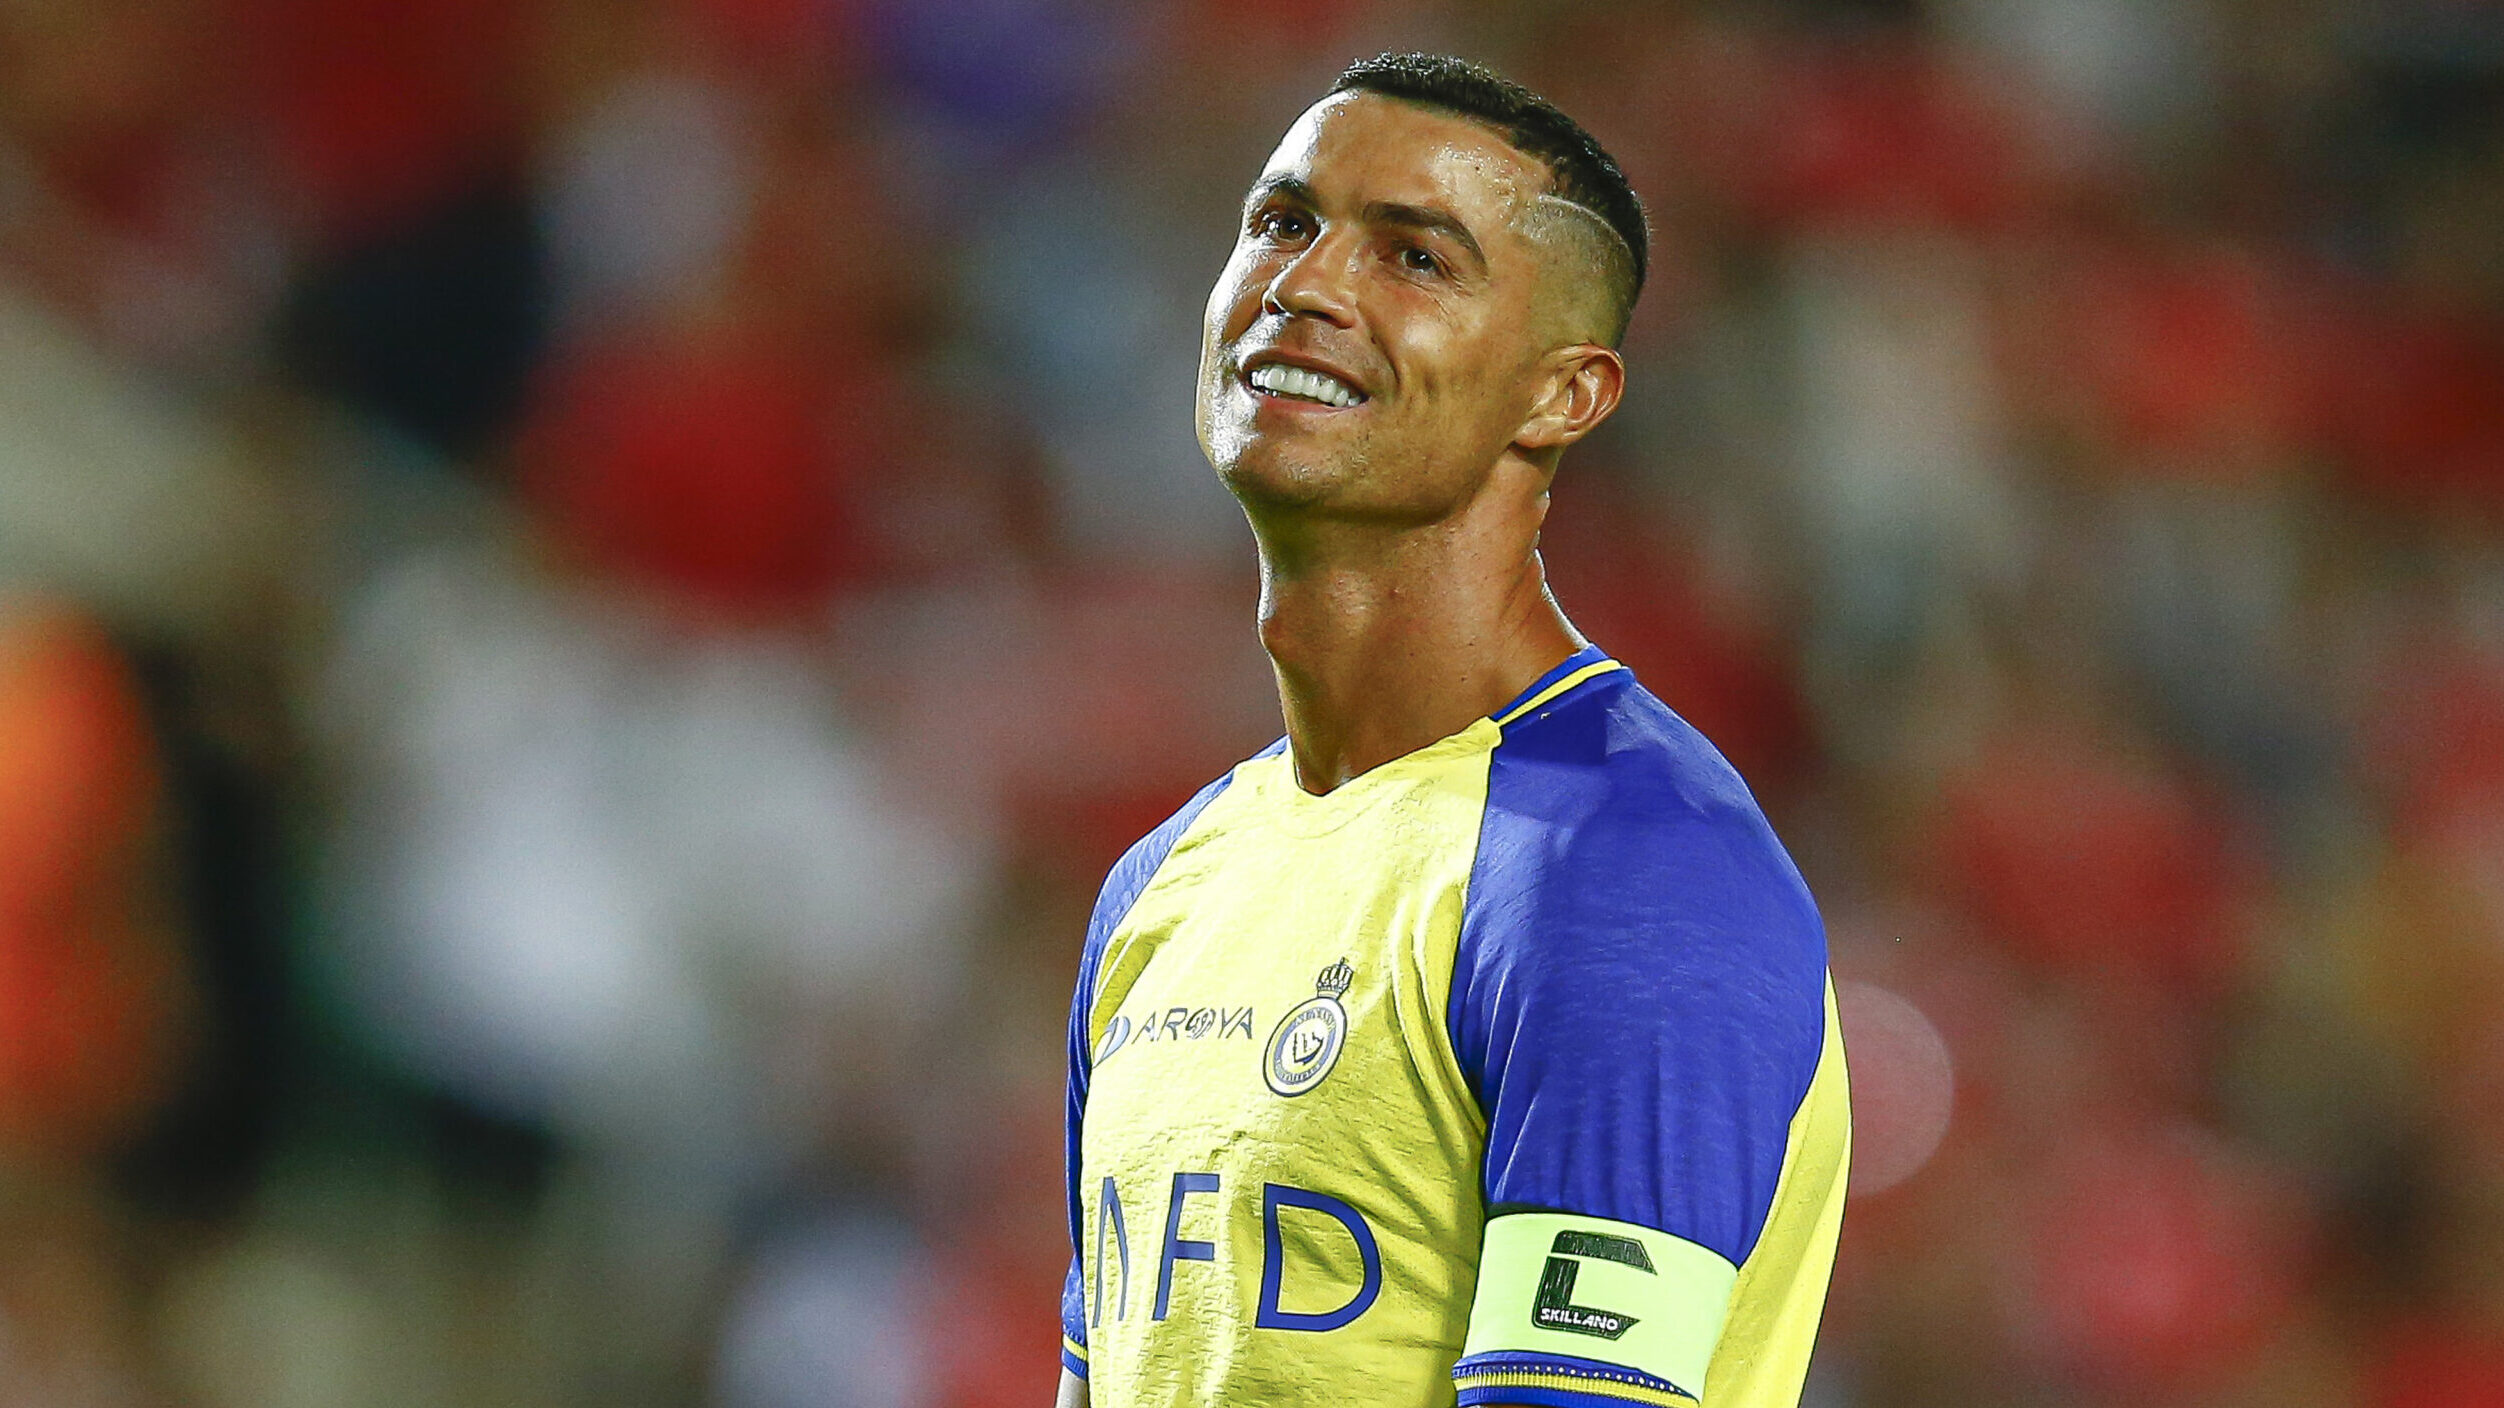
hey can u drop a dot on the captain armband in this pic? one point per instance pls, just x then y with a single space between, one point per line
1591 1306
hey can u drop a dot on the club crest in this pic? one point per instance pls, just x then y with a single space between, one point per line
1306 1044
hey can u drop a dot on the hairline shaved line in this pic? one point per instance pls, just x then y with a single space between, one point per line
1615 254
1586 212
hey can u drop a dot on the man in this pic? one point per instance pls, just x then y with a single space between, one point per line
1475 1040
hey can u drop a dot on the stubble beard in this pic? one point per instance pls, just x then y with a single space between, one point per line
1275 478
1262 473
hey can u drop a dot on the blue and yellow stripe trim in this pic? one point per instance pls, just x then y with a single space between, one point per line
1548 1381
1586 664
1073 1356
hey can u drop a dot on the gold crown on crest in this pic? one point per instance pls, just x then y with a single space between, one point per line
1335 979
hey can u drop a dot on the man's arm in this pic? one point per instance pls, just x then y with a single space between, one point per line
1073 1392
1639 1003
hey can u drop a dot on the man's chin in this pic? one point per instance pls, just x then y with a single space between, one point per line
1266 464
1262 476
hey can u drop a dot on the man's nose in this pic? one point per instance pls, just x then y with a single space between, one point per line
1319 280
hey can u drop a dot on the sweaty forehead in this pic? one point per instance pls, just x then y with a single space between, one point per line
1361 148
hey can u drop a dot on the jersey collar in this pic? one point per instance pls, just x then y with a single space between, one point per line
1584 664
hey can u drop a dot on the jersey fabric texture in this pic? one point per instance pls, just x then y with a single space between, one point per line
1505 1073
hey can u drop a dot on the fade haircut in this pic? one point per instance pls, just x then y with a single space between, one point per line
1580 172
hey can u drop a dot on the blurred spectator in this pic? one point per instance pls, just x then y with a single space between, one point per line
93 993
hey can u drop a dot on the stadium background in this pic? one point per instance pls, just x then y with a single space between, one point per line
586 587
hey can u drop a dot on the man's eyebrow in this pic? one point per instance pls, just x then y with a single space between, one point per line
1271 187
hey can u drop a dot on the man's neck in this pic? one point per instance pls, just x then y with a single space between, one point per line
1385 641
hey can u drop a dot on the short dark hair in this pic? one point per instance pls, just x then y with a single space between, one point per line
1580 170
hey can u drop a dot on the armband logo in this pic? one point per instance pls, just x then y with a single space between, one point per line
1306 1044
1554 1308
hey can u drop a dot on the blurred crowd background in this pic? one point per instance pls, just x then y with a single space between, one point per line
588 586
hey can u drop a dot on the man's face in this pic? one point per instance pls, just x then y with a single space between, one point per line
1375 341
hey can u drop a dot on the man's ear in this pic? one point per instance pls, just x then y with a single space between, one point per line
1581 387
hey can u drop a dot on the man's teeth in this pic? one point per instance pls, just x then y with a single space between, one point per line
1279 379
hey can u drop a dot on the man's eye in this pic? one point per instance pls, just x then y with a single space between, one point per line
1418 260
1278 224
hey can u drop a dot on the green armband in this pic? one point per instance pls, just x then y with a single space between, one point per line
1591 1288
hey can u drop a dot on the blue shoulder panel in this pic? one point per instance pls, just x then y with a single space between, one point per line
1638 995
1122 887
1588 655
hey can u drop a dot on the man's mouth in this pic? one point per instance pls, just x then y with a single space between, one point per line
1303 384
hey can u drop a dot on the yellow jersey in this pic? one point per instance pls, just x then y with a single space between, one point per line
1505 1073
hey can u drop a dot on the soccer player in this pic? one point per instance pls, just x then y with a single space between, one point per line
1474 1042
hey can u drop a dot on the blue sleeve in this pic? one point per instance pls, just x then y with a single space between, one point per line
1074 1321
1122 887
1638 997
1638 993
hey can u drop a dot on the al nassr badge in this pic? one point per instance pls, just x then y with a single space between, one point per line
1308 1038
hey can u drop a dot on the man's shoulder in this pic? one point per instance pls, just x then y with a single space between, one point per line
1635 946
1138 865
1611 764
1617 834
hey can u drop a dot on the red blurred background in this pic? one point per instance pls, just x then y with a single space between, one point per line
588 586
